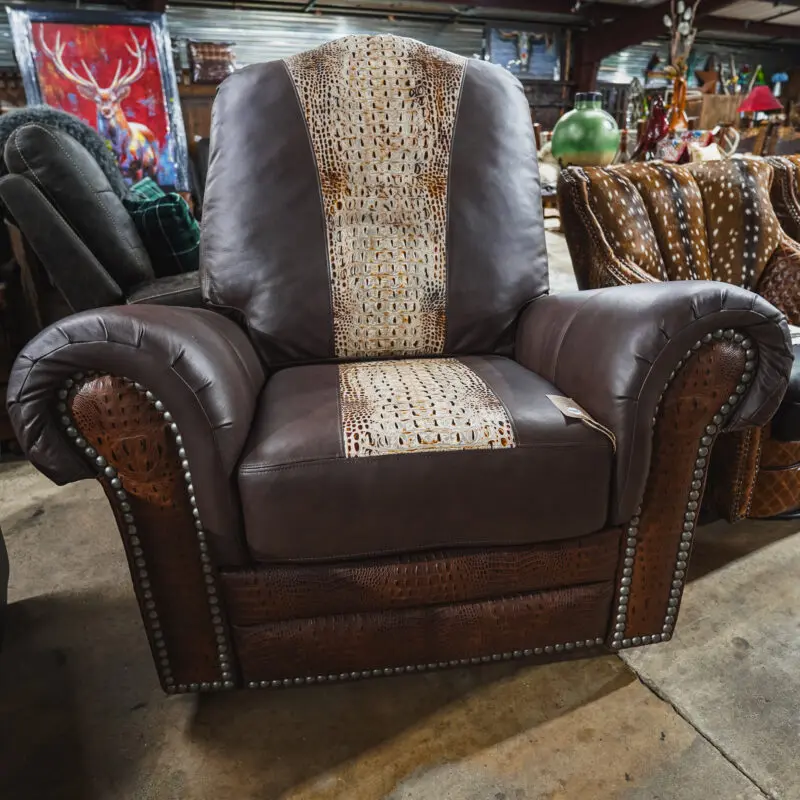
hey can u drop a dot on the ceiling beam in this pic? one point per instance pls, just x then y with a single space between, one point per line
634 25
587 11
745 26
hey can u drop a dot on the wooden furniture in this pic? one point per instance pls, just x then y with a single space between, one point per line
196 102
718 109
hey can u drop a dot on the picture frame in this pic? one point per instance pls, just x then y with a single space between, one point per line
526 53
114 70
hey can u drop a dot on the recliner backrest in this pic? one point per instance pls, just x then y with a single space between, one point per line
78 189
707 220
374 197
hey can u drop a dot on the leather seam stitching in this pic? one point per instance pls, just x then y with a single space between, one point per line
323 214
259 469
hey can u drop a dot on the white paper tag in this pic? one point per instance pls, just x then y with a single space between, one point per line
569 408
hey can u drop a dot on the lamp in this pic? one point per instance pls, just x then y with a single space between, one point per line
777 79
761 99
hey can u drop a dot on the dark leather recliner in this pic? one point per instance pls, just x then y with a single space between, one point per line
76 228
368 476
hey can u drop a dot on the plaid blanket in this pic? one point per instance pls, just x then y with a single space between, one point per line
170 233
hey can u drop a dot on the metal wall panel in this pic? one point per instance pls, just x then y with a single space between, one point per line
630 63
266 35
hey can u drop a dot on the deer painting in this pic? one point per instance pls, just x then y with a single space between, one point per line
134 144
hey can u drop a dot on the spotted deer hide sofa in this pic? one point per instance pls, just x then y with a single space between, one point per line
646 223
358 470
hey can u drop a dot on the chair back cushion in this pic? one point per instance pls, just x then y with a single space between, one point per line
72 181
704 221
374 197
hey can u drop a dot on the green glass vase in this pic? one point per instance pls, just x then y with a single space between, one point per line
587 135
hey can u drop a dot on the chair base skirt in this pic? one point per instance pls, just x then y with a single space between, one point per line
348 646
777 486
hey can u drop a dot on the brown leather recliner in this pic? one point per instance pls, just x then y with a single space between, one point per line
367 476
640 223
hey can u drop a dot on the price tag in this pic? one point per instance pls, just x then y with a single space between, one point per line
569 408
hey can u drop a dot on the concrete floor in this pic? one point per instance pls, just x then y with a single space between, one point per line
713 714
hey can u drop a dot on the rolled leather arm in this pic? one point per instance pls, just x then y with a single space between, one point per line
613 351
199 364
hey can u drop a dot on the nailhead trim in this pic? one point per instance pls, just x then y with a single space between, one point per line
140 574
618 639
460 662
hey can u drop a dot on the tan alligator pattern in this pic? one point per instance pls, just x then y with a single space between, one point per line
419 405
380 112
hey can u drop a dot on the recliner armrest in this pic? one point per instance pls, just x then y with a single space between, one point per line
199 364
614 350
182 289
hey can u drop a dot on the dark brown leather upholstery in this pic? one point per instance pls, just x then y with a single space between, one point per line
194 360
398 495
586 340
642 223
264 249
288 591
438 634
72 180
171 290
304 500
786 422
49 237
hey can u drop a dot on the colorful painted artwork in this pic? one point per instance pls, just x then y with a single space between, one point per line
111 71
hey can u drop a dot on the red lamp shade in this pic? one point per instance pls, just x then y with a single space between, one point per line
760 99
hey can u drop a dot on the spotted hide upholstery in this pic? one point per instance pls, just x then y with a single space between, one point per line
730 221
394 451
639 222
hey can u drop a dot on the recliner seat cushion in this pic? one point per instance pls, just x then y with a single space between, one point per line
353 460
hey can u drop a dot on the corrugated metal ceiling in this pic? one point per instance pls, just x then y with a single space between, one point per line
754 10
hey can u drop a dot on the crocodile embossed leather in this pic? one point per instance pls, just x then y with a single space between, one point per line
419 405
380 113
